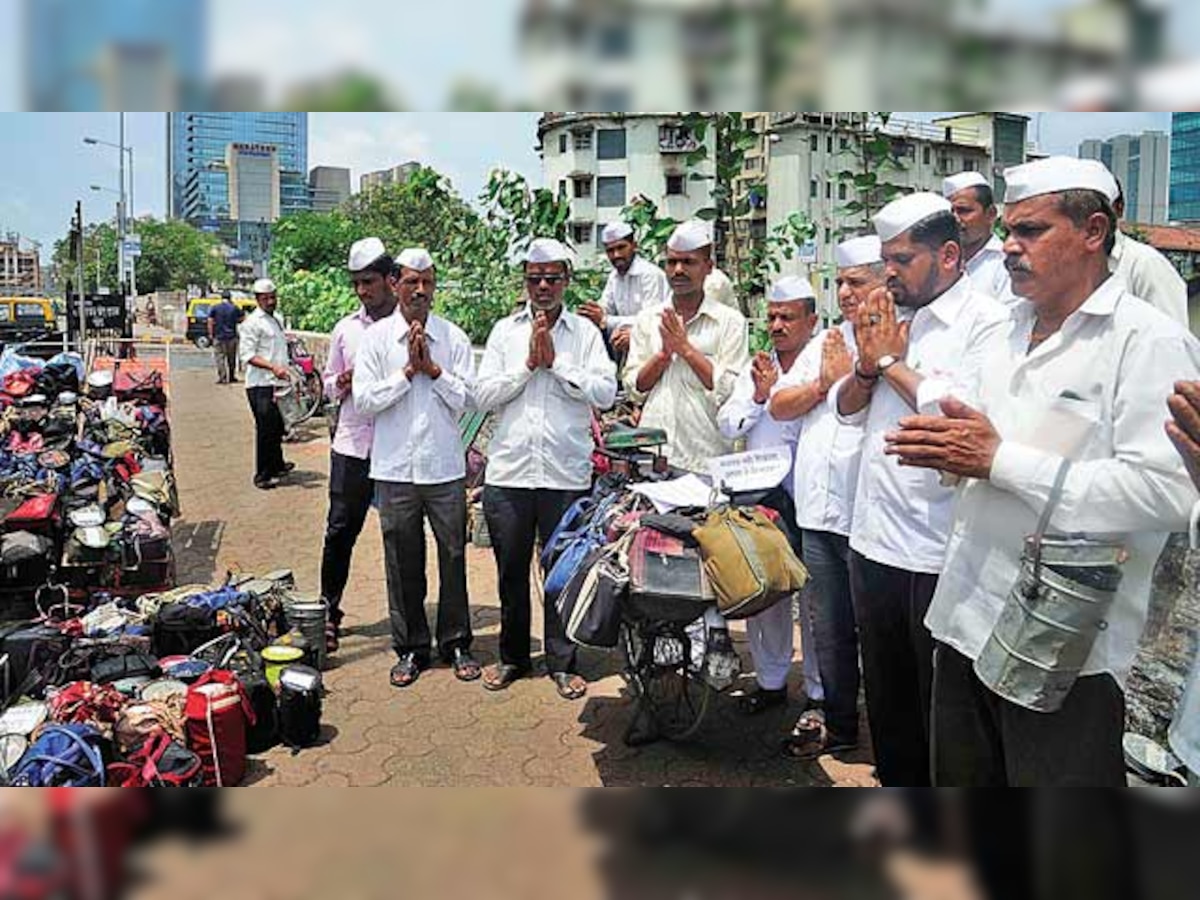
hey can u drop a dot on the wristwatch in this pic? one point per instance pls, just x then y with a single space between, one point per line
886 362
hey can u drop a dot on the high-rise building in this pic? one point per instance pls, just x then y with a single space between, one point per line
1139 162
1185 167
119 54
395 175
202 173
329 187
602 161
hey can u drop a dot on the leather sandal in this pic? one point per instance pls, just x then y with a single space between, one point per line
570 686
406 671
501 676
464 665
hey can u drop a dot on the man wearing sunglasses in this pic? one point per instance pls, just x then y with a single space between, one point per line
543 371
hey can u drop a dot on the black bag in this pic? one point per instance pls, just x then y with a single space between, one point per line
133 664
179 629
32 648
299 706
25 558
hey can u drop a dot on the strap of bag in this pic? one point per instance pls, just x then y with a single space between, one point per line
1056 492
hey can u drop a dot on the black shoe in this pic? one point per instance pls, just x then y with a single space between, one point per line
754 702
287 469
265 484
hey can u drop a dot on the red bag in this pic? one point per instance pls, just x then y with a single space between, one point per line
36 514
21 383
160 761
217 711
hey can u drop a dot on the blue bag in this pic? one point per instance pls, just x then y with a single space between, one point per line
62 756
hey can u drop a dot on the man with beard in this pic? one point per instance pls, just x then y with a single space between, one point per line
1070 408
415 376
902 515
543 371
634 284
264 352
685 356
791 319
350 486
826 477
974 206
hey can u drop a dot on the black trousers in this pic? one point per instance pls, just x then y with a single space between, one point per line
515 516
897 657
268 432
403 509
982 740
350 491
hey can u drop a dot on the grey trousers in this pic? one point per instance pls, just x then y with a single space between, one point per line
403 509
226 354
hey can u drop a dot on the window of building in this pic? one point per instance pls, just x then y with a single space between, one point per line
610 191
581 234
600 233
845 143
583 188
754 164
829 144
562 143
583 140
614 41
812 189
675 185
828 190
842 190
610 143
926 153
968 165
562 187
814 142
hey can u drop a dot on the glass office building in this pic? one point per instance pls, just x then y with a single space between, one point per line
1185 167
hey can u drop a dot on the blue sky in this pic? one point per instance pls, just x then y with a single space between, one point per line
45 166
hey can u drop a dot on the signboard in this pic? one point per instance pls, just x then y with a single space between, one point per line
133 245
101 312
754 470
807 252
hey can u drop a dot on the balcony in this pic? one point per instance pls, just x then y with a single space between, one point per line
676 139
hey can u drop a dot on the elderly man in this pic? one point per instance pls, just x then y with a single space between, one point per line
350 486
264 353
791 319
543 371
1146 272
685 356
414 376
826 477
974 206
634 284
902 515
1184 431
1068 416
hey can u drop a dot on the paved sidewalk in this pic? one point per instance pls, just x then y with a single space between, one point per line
438 732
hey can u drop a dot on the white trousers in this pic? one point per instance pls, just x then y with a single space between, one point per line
771 634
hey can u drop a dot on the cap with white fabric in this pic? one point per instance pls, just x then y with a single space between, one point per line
961 182
693 234
1056 174
902 214
547 250
616 231
264 286
415 258
365 252
858 251
790 287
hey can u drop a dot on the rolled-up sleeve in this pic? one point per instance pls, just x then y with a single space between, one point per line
335 364
733 356
739 413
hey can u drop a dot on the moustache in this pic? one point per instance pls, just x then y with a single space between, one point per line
1017 265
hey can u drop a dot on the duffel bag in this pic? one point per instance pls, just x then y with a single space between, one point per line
32 650
160 761
748 560
25 558
234 653
217 712
179 628
62 756
38 513
591 605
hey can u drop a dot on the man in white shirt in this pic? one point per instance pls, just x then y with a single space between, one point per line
543 371
350 486
902 516
826 476
791 319
685 356
1146 272
1078 374
264 353
414 375
974 206
634 284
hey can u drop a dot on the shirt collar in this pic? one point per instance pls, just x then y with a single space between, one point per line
1119 241
1103 301
433 326
566 317
947 307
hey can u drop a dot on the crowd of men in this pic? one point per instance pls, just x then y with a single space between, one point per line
929 431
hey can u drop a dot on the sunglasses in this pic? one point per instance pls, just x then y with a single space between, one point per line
535 280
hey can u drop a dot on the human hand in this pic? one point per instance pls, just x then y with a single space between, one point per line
878 331
962 441
620 339
673 333
836 362
344 381
764 375
594 312
1184 429
546 341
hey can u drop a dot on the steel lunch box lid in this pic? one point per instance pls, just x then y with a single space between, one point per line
300 678
163 689
277 653
132 685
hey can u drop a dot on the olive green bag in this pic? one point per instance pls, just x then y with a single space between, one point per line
748 560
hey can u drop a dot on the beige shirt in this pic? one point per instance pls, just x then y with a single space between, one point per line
1149 275
679 403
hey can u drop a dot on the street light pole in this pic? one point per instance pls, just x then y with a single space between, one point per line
132 203
121 215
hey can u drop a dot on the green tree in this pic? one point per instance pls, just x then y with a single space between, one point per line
871 153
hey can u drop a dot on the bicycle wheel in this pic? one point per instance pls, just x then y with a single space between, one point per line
672 698
314 393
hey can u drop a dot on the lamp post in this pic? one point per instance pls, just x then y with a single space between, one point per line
108 190
122 219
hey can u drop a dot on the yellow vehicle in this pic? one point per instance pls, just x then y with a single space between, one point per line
197 317
29 320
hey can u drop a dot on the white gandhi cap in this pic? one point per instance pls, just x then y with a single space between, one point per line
961 182
858 251
547 250
264 286
1056 174
902 214
616 231
691 235
415 258
364 252
790 287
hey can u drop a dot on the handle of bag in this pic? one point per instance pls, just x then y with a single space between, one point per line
90 753
1056 492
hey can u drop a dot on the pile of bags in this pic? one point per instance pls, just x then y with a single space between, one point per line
87 490
612 559
168 689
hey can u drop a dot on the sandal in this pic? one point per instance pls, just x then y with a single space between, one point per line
501 676
331 638
754 702
464 665
406 671
569 685
811 739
